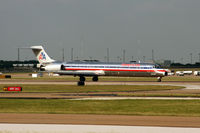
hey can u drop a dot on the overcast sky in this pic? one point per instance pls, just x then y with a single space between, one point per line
170 27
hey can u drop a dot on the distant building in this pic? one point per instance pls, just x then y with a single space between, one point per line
23 67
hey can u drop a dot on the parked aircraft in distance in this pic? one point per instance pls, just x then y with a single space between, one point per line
96 69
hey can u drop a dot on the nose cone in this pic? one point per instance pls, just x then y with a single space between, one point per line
162 72
167 71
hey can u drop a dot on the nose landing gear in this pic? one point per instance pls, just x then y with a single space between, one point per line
159 79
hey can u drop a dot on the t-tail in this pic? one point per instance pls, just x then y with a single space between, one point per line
41 55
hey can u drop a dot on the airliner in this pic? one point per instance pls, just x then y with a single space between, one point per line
95 69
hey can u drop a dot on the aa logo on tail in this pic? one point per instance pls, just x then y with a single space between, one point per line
42 56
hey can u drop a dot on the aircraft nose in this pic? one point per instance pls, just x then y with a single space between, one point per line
161 72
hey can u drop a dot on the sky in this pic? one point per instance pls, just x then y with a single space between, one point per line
170 27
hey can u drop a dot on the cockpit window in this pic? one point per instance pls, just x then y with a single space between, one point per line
157 66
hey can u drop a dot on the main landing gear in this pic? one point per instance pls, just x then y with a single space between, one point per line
95 78
81 81
159 79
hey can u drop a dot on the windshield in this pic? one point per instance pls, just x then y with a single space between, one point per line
157 66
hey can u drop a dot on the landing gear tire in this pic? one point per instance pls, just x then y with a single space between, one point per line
95 78
159 79
80 83
82 78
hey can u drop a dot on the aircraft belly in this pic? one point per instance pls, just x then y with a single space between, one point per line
130 74
111 73
82 72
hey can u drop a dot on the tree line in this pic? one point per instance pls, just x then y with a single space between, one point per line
179 65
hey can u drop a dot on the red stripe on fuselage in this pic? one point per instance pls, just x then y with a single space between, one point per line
161 70
136 70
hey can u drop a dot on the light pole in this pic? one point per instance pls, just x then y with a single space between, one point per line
18 54
191 57
199 57
108 56
72 54
144 58
124 52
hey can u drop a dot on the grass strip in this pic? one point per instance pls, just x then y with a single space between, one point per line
103 107
92 88
158 95
68 78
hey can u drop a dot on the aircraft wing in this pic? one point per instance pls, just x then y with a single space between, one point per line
82 72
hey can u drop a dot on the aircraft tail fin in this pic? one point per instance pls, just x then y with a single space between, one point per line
41 55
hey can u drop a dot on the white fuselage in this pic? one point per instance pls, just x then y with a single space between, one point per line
107 69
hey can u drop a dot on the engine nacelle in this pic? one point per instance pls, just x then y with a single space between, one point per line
51 67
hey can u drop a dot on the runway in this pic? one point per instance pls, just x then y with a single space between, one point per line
89 119
187 85
44 128
115 124
132 98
